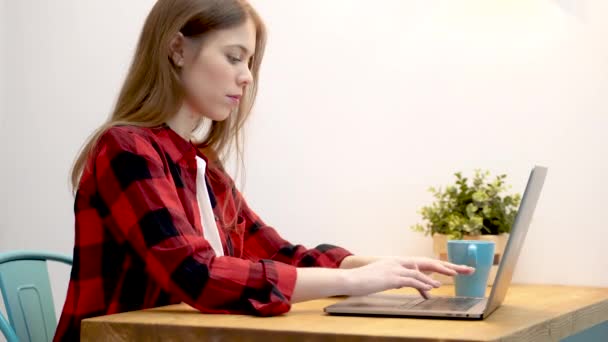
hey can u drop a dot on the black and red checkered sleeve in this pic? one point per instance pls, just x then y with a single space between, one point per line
264 242
144 210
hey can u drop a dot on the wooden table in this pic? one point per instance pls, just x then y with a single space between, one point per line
529 313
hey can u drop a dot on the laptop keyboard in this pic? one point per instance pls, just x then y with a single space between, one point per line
446 304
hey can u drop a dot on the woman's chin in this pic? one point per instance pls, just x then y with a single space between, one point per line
218 117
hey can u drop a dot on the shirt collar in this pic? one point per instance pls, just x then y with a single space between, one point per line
177 147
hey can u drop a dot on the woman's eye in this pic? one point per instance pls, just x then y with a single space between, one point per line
233 59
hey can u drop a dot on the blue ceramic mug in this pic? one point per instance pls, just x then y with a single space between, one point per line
474 253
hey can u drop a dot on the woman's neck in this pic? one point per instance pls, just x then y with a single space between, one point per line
184 122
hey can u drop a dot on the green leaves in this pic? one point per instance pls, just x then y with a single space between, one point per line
471 210
465 208
480 197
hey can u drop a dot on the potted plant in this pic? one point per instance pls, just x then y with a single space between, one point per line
477 210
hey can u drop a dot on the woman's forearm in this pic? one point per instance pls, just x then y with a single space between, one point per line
358 276
317 282
354 261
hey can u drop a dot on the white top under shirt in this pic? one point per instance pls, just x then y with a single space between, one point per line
210 231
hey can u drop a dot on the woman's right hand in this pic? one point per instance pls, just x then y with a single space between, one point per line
386 274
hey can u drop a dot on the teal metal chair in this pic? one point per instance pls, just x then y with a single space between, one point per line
26 290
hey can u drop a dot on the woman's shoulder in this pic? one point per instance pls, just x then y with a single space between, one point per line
129 138
128 132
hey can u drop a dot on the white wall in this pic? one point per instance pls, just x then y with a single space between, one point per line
361 109
364 107
2 65
67 61
2 115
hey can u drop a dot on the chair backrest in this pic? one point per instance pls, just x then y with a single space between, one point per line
26 290
7 330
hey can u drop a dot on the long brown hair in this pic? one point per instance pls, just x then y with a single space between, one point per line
152 92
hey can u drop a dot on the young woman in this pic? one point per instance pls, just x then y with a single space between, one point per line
159 221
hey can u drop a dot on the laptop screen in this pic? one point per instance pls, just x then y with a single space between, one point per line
516 239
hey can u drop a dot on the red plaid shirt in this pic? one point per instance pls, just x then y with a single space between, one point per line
139 241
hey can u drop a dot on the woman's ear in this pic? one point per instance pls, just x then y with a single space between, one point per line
176 49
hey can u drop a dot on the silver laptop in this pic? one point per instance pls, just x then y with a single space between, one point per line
395 305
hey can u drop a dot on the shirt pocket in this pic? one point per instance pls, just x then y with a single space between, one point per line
236 235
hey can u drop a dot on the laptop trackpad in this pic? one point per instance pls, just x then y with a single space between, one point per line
382 301
447 304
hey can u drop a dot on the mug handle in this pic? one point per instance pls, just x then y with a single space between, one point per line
472 256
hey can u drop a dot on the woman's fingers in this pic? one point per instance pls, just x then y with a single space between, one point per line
414 283
424 294
412 272
431 265
421 277
443 267
460 269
